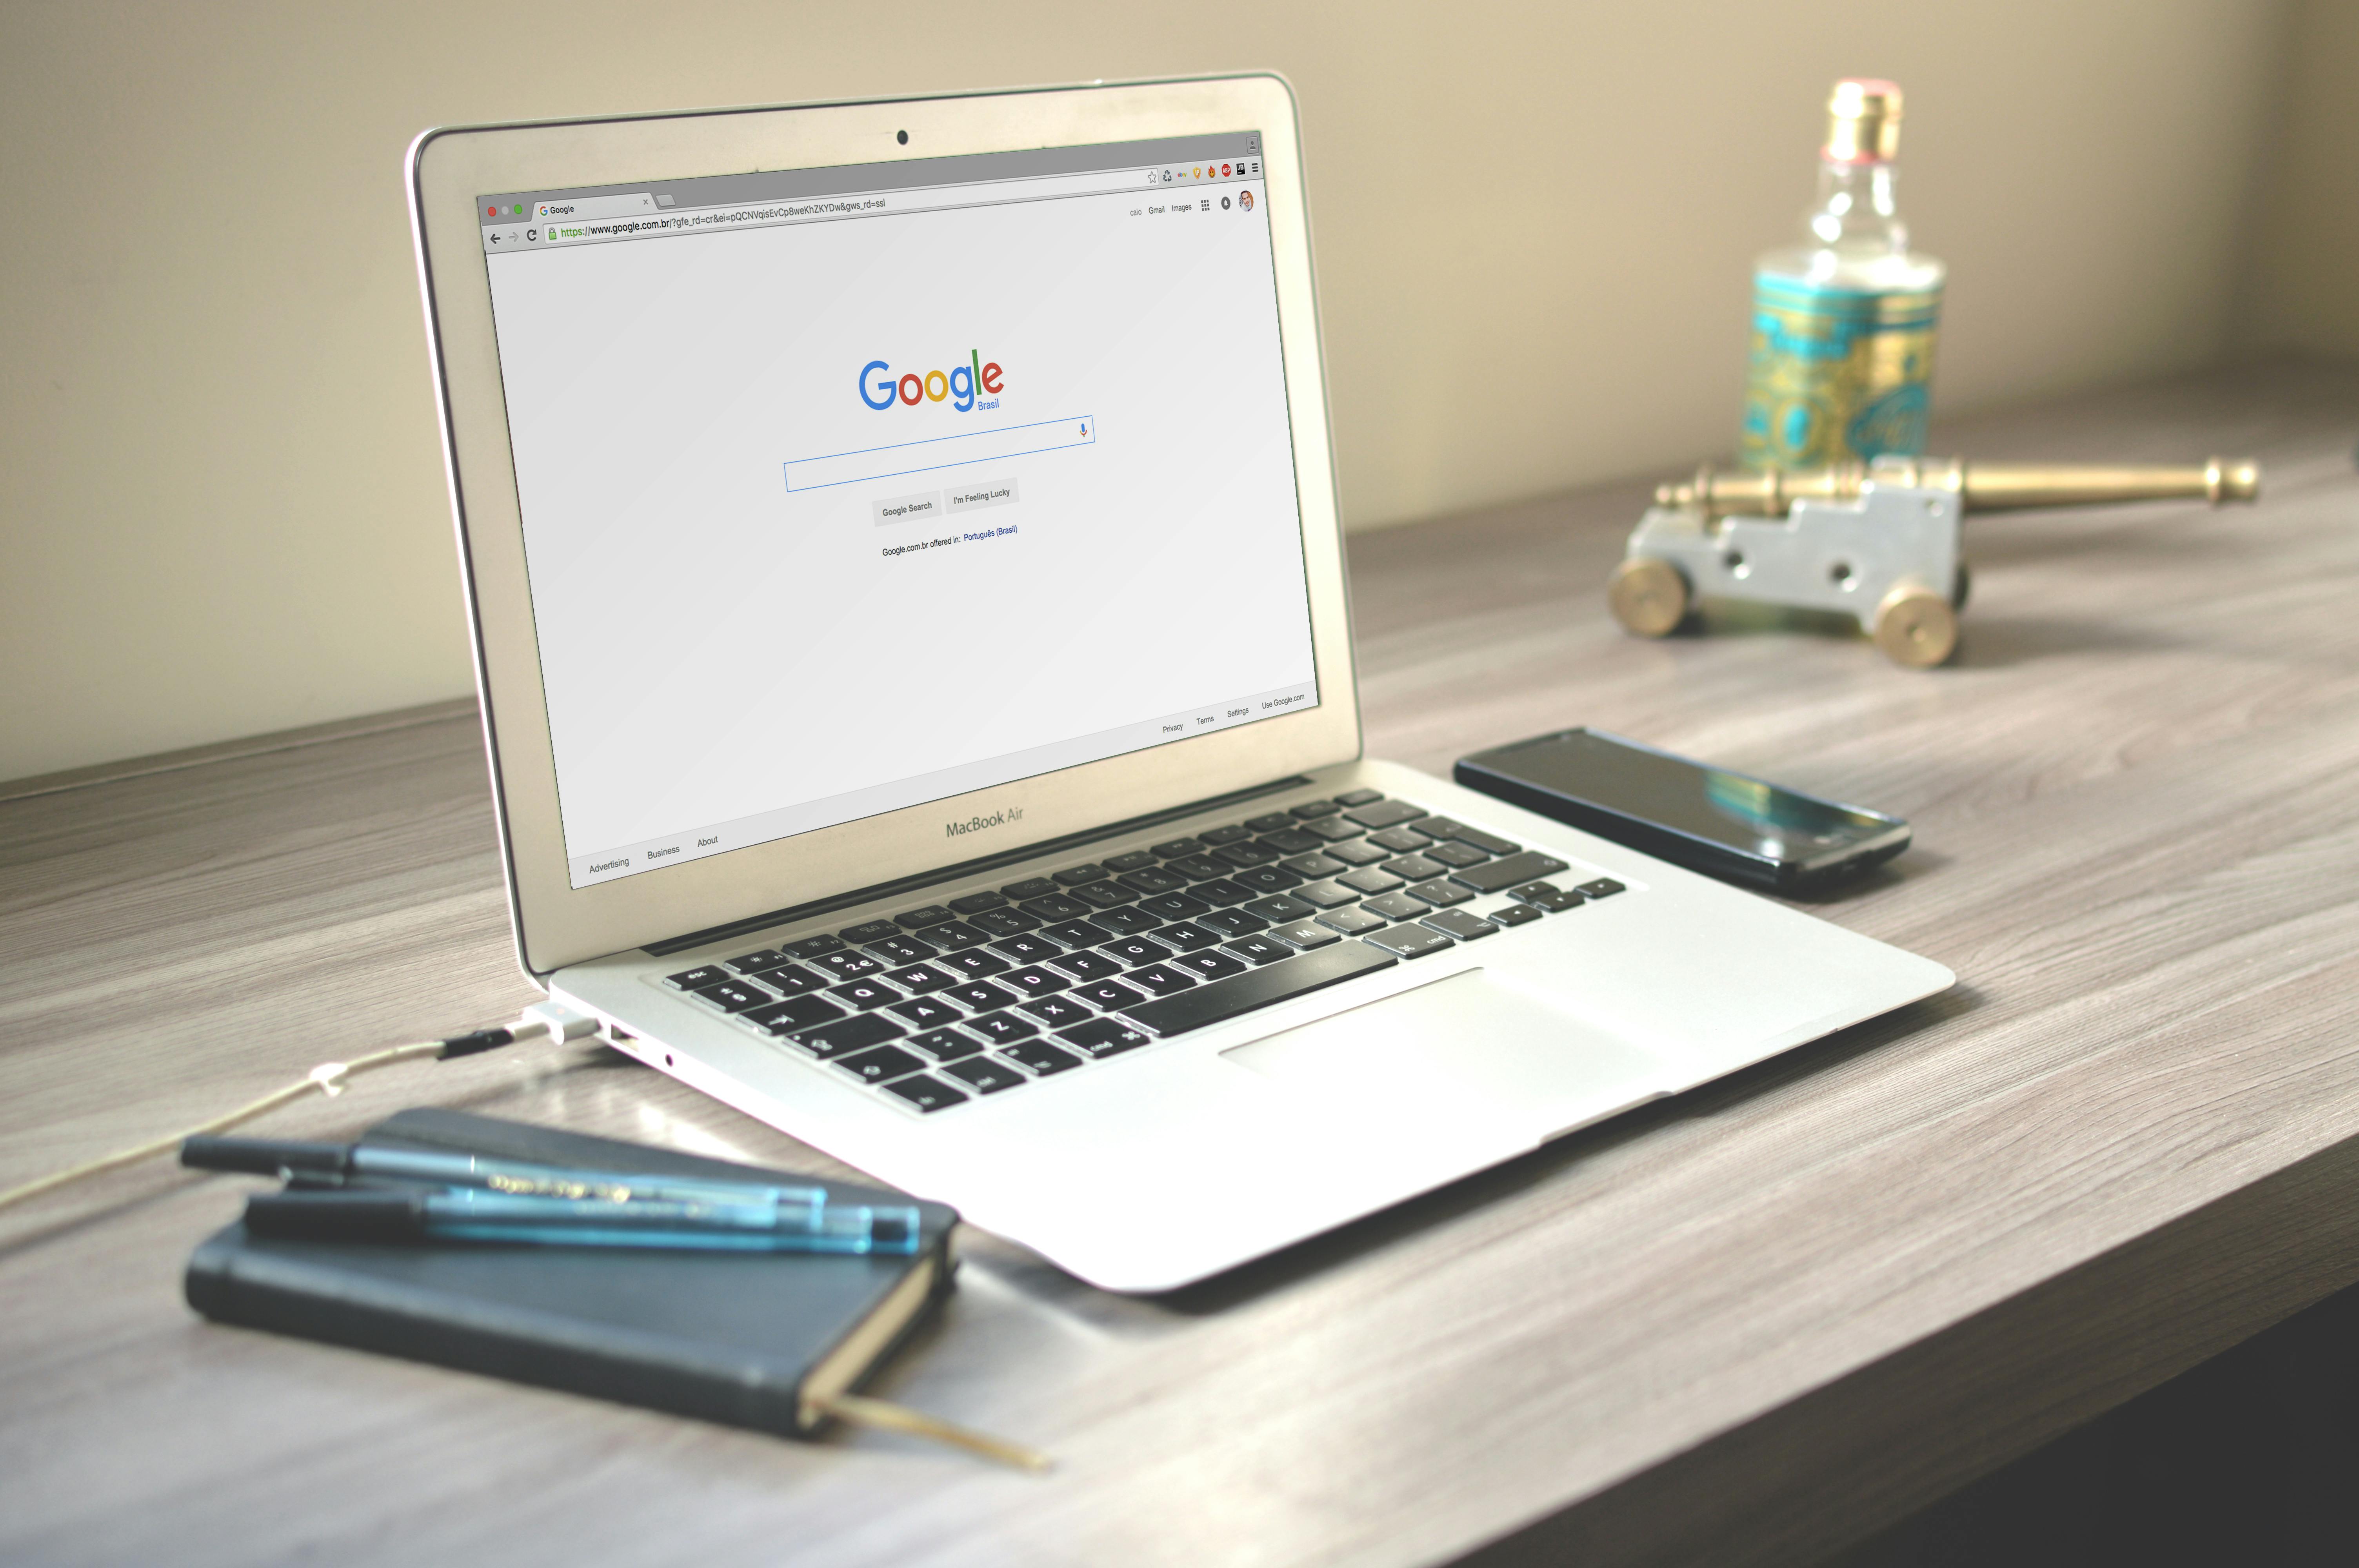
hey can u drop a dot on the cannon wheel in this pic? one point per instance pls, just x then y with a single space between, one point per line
1916 627
1649 596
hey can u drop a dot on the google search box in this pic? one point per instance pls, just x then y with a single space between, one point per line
942 452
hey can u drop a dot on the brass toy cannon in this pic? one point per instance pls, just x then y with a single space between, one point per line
1877 541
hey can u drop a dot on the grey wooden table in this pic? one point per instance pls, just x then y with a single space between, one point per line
1751 1323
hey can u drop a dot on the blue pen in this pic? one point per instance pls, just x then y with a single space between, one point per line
286 1156
475 1215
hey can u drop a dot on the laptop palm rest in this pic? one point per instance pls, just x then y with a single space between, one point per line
1466 1049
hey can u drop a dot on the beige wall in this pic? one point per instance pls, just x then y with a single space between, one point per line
2302 287
218 473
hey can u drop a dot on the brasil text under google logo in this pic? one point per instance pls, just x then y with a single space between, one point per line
960 385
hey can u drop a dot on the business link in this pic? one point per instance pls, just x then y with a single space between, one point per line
943 542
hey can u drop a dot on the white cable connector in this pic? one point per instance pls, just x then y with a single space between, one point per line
559 1021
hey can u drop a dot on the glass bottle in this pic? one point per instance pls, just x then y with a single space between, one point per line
1843 324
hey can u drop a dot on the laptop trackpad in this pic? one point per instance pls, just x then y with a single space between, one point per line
1468 1048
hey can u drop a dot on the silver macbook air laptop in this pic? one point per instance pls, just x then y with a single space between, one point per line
911 627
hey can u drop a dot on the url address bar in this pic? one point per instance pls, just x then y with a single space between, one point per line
820 209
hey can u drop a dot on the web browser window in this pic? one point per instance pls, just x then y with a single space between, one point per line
845 490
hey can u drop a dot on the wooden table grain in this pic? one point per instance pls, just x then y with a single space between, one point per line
1751 1323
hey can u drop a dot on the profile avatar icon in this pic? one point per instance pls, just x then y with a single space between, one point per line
1245 200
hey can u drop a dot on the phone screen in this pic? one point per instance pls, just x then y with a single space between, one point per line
1745 814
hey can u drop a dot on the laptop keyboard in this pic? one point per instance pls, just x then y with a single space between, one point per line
990 990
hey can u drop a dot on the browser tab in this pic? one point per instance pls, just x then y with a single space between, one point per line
595 206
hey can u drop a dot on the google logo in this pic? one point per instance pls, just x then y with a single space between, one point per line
960 385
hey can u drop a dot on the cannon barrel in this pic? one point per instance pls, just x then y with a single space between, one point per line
1981 487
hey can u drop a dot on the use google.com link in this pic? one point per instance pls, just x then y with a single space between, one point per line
707 220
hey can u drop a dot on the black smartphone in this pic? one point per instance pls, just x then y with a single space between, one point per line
1687 812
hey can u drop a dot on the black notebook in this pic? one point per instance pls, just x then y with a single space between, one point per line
760 1340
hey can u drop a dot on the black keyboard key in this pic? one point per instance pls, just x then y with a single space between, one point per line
926 1092
1033 980
1074 876
1218 836
1186 936
919 919
813 946
1210 965
945 1045
1359 852
901 949
732 996
1327 895
1604 887
1513 915
1270 822
1056 1011
1439 891
1029 949
1160 978
1360 798
1400 841
1080 934
1554 901
1370 879
1153 880
1248 852
1195 868
1353 922
1279 910
1455 855
1395 906
1385 813
869 931
1309 809
1333 830
852 1035
1233 921
1171 849
1055 906
925 1013
1086 965
1243 992
1127 922
1040 1058
1292 842
1131 861
1110 996
1174 906
976 903
848 966
794 980
1031 886
1315 866
1410 941
795 1013
697 978
1257 949
1450 827
1459 924
754 963
1416 868
1221 893
1132 951
1266 879
1496 875
863 994
975 965
1003 921
981 996
1001 1028
1105 1037
985 1076
1104 895
876 1067
952 938
1304 933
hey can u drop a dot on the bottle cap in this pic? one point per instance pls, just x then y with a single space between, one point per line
1863 121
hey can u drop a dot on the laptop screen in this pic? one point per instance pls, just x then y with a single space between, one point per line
849 489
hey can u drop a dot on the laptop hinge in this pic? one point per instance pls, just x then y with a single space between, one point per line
964 869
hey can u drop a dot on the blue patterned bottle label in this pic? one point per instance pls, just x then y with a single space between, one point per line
1838 374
